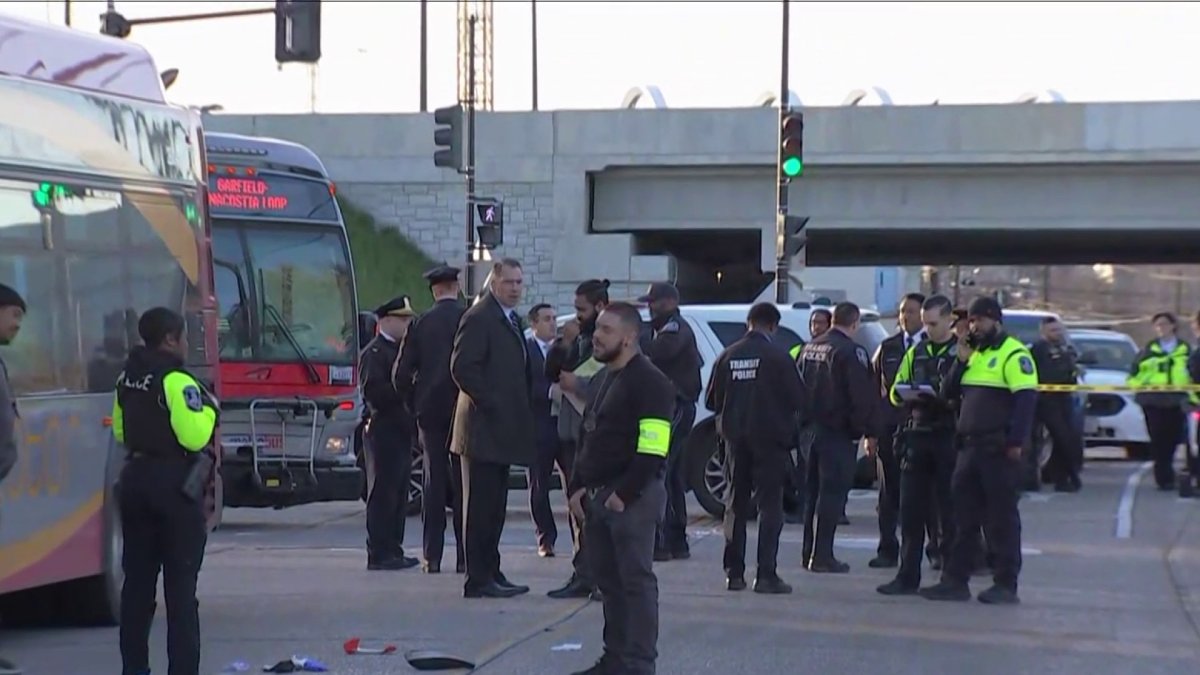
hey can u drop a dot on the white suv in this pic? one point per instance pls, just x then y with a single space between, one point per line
1112 418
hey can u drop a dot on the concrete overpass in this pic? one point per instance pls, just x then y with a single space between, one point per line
596 193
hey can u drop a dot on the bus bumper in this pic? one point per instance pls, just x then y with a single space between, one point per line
288 484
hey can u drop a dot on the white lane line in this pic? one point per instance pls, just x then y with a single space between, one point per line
1128 495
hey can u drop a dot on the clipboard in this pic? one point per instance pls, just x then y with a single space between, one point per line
911 394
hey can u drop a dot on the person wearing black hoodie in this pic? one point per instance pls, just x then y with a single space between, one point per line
165 419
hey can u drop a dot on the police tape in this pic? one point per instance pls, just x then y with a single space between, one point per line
1161 388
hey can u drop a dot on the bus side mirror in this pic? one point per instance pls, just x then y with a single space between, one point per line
366 328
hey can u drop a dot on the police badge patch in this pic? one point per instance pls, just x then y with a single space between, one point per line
1026 365
862 357
193 399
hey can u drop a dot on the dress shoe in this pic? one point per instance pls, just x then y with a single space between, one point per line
947 591
503 582
492 590
772 585
431 567
662 555
737 583
601 667
880 562
399 563
546 551
575 588
831 566
897 587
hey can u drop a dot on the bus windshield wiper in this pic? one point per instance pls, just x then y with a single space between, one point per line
313 376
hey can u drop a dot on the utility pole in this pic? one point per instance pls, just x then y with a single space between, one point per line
424 55
782 261
67 12
534 51
471 157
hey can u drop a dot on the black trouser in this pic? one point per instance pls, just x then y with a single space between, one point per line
621 552
830 475
1056 412
1166 427
561 454
163 530
441 486
753 470
925 479
888 467
985 490
671 533
485 503
389 449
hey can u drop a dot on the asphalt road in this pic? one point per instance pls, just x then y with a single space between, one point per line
1111 584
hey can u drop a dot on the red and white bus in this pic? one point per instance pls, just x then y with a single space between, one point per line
289 335
102 216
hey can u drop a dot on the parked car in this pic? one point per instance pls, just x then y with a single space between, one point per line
1110 418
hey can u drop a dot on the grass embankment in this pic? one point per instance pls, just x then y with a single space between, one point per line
386 263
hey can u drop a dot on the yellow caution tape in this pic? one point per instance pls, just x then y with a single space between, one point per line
1166 388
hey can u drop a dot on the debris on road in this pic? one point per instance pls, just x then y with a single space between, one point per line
430 660
567 647
237 667
297 664
354 646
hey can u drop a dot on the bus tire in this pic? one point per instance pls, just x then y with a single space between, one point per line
100 596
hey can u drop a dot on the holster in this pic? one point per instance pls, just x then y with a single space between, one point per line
197 477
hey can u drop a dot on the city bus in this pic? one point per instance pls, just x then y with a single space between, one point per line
102 216
288 334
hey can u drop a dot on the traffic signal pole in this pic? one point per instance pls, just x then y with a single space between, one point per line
782 260
471 159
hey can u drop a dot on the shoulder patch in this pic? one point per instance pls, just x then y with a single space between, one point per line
1026 364
862 356
193 399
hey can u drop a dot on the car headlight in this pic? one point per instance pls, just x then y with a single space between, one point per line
337 445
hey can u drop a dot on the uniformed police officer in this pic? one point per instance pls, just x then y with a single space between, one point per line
424 370
165 419
1161 363
673 350
1057 363
755 392
840 407
995 381
388 439
925 445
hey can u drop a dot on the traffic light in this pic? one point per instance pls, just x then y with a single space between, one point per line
297 31
794 236
448 137
791 138
114 25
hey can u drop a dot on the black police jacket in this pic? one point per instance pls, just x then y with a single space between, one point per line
839 393
1056 364
755 392
929 363
673 350
424 367
388 406
884 366
160 409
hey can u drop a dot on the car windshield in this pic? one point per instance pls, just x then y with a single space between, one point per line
1106 354
284 293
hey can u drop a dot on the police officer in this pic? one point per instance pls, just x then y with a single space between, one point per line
925 445
673 351
165 419
994 380
885 364
1057 363
1162 363
840 403
424 371
388 439
755 392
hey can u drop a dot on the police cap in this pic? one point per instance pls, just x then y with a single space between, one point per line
398 306
441 274
986 308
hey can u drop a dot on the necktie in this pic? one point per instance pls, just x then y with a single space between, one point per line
515 323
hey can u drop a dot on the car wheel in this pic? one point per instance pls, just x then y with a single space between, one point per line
416 482
706 471
1138 452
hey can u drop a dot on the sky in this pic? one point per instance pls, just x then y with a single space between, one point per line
700 54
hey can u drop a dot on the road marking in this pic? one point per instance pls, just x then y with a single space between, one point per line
1125 508
870 543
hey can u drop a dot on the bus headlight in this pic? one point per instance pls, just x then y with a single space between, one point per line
337 445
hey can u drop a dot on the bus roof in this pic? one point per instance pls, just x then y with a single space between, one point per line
41 51
269 151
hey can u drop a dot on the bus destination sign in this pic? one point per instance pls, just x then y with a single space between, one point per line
270 195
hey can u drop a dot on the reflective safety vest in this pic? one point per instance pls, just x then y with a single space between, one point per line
924 364
1156 367
1009 366
161 411
794 352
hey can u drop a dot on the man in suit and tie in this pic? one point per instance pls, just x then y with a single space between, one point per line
424 374
493 422
541 472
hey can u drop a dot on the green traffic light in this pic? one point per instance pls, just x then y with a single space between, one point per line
792 167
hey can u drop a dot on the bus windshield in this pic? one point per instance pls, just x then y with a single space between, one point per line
284 292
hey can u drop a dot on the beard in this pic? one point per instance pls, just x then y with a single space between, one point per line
604 354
